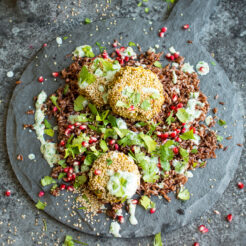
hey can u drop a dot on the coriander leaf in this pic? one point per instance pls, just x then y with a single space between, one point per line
109 162
146 10
221 122
213 63
45 224
68 241
157 64
170 119
166 154
149 142
165 165
157 241
219 138
49 132
62 163
146 202
184 194
65 38
82 208
140 4
87 21
93 109
61 175
90 158
66 88
79 181
101 48
184 153
41 205
47 124
85 77
131 44
54 101
112 120
194 151
47 180
79 103
182 115
103 145
78 118
146 105
187 135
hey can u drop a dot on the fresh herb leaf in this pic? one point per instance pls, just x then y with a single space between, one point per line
194 151
82 207
112 120
47 124
62 163
109 162
146 105
219 138
166 154
61 175
131 44
78 242
184 153
49 132
157 64
85 77
78 118
187 135
93 109
45 224
149 142
54 101
101 48
140 4
213 63
90 158
103 145
66 88
146 10
170 119
41 205
221 122
87 21
184 194
157 241
88 51
65 38
79 181
182 115
47 180
79 103
146 202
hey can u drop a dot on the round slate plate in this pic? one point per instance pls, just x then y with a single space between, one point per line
53 58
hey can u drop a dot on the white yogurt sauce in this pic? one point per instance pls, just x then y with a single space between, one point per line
121 123
115 229
123 184
202 68
79 51
10 74
132 209
174 77
128 52
48 149
187 68
209 120
31 156
172 50
59 40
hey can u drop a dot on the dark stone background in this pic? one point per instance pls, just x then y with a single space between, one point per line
25 26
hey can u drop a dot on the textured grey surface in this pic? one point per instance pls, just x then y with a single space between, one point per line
225 37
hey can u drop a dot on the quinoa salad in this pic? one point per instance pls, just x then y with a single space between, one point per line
126 129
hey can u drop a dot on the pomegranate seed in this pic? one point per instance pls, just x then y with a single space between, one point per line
77 124
127 58
122 49
62 143
203 229
168 55
71 127
176 55
121 219
177 131
97 172
66 169
76 163
111 141
62 187
183 130
175 150
131 108
7 193
115 44
70 170
44 45
83 158
186 26
168 113
105 55
164 29
172 57
161 34
69 176
158 134
82 127
172 107
164 135
55 109
41 193
85 144
201 69
178 139
55 74
70 188
152 210
92 140
174 97
193 129
118 52
67 132
173 134
159 165
229 217
134 201
73 176
65 179
121 61
116 146
180 105
41 79
196 244
240 185
183 124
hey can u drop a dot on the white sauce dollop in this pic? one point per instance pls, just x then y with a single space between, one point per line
79 52
128 52
59 40
202 68
31 156
132 209
10 74
187 68
115 229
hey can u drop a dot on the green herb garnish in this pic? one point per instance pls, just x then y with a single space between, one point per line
221 122
41 205
170 119
182 115
219 138
101 48
87 21
157 241
79 181
85 77
131 44
146 202
157 64
47 180
184 194
187 135
54 101
103 145
79 103
109 162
